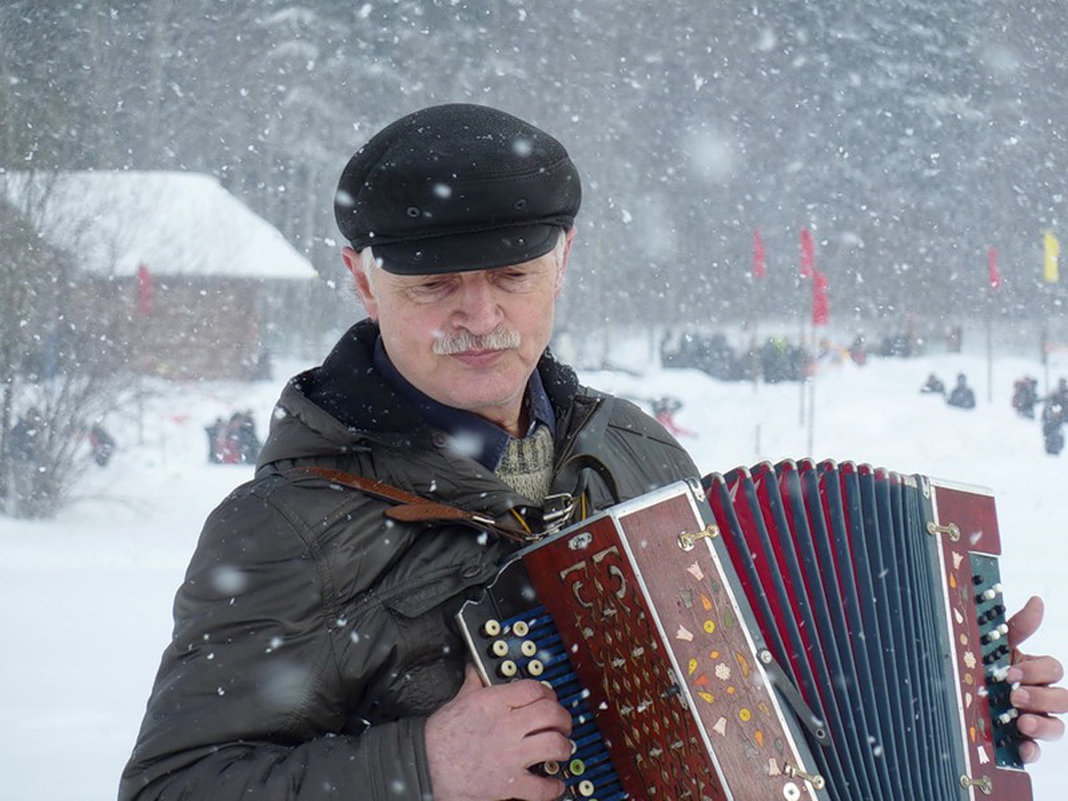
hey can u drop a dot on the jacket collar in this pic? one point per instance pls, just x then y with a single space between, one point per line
346 399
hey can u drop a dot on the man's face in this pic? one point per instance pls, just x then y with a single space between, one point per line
471 339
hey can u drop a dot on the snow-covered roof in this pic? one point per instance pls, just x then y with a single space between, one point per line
176 223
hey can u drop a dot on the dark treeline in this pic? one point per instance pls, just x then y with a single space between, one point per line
908 135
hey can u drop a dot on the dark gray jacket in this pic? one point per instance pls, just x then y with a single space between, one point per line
312 635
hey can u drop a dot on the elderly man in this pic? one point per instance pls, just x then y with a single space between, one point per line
315 653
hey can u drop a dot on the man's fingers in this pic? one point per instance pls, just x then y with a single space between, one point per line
1026 622
545 746
529 787
1031 670
1030 751
1047 700
1040 727
518 694
547 715
480 743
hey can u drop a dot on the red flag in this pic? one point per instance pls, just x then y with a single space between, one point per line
992 267
144 291
821 307
808 256
759 262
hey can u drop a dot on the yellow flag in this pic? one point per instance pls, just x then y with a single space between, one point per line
1053 250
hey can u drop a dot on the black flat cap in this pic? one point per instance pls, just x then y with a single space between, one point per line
457 187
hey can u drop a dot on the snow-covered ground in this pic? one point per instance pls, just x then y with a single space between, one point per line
85 599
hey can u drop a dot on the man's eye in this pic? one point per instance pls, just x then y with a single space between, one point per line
428 287
512 276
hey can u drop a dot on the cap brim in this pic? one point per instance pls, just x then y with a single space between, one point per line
481 250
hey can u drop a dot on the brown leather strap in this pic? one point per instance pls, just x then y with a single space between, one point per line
410 507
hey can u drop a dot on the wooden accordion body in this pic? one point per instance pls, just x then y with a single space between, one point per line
796 631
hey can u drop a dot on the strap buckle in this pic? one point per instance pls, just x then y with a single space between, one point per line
556 511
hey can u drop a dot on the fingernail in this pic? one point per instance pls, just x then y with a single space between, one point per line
1026 726
1014 675
1020 697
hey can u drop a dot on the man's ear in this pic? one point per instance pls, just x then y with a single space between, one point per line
563 260
364 287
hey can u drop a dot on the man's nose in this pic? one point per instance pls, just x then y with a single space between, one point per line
478 310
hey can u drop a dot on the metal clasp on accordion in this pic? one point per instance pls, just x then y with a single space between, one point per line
983 784
688 539
952 530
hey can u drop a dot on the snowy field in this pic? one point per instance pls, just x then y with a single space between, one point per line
85 599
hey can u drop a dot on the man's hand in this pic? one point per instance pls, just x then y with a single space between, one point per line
1035 698
480 744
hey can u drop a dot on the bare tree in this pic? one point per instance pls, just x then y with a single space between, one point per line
59 367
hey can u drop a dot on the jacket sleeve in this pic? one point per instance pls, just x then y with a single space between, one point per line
248 702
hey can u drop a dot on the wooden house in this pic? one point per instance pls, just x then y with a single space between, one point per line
179 276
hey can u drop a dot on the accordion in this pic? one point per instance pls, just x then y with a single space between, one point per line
792 631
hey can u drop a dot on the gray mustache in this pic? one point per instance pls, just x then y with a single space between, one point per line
463 341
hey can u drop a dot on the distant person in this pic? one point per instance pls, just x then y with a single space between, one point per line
101 445
233 441
242 431
954 339
858 351
900 344
664 410
1059 395
1054 414
1025 396
26 444
933 386
216 440
962 395
27 436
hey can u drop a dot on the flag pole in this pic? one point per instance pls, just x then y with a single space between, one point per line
756 276
804 376
1051 251
820 318
144 306
808 261
1045 359
994 280
989 349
